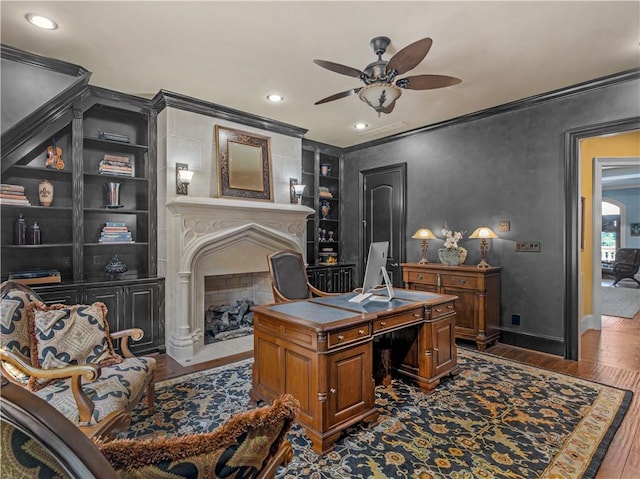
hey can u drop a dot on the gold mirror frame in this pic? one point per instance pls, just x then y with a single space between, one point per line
244 165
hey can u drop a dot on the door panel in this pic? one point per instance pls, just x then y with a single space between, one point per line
384 214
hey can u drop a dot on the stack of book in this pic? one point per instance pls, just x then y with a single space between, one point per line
324 192
115 165
13 195
114 232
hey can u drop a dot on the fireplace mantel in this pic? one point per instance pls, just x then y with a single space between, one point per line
216 236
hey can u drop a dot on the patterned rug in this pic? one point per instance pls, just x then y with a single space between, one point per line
496 419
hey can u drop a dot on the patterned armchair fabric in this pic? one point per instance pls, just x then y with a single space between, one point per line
65 354
37 441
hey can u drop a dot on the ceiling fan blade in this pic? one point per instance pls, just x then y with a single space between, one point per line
336 67
390 108
337 96
410 56
427 82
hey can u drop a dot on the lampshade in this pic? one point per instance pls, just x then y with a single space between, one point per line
298 189
380 96
185 176
424 233
483 232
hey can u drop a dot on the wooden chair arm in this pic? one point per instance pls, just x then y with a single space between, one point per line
90 372
136 334
315 291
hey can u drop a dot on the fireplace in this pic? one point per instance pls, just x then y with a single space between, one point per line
209 237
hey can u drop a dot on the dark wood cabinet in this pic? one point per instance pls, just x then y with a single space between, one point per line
130 304
332 279
103 137
478 292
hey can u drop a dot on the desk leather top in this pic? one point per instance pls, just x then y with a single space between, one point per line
328 309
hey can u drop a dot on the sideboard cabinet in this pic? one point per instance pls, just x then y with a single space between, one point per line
478 292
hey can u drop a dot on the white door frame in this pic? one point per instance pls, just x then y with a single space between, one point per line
595 322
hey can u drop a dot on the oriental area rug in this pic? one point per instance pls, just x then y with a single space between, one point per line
495 419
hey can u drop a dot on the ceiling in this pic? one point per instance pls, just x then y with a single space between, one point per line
235 53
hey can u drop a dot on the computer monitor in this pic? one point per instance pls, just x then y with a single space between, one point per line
376 262
375 274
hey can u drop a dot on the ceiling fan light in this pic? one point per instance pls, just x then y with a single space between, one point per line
379 95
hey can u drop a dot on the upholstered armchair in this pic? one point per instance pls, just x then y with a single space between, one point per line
64 354
289 279
626 264
38 441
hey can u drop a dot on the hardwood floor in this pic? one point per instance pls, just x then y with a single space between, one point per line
610 356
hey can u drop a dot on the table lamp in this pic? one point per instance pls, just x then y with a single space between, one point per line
424 234
483 232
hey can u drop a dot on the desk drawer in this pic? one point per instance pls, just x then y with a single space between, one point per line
347 336
390 322
461 281
422 277
442 309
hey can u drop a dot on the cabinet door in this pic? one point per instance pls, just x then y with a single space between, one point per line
63 296
113 299
140 311
444 355
350 383
466 311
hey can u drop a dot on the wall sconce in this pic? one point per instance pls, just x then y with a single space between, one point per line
424 234
183 178
296 191
483 232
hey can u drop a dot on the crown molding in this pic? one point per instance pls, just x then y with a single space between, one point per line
164 99
590 85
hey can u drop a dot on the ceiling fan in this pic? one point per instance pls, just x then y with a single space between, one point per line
380 92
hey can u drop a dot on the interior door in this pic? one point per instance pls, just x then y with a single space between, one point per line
383 215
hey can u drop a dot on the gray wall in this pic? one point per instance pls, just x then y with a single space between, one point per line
508 166
25 88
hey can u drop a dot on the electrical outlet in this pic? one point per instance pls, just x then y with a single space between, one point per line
515 319
96 260
528 246
504 226
66 261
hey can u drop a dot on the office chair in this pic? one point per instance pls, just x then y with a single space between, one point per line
289 279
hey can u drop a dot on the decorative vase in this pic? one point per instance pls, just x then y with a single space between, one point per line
45 193
325 169
452 257
113 194
115 267
325 207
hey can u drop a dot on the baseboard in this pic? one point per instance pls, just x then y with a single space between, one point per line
529 341
587 323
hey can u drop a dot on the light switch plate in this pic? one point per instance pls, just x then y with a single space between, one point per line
528 246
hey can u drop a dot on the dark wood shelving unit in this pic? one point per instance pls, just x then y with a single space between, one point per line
324 274
71 226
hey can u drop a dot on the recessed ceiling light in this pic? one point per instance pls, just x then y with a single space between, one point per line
360 126
40 21
274 97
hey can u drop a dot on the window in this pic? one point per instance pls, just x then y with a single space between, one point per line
610 235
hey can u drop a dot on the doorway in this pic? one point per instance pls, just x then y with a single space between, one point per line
383 214
611 176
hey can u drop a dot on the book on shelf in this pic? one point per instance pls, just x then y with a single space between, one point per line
36 276
8 201
116 159
115 223
8 188
10 196
115 232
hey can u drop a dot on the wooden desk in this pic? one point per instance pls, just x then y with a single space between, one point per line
478 292
321 350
